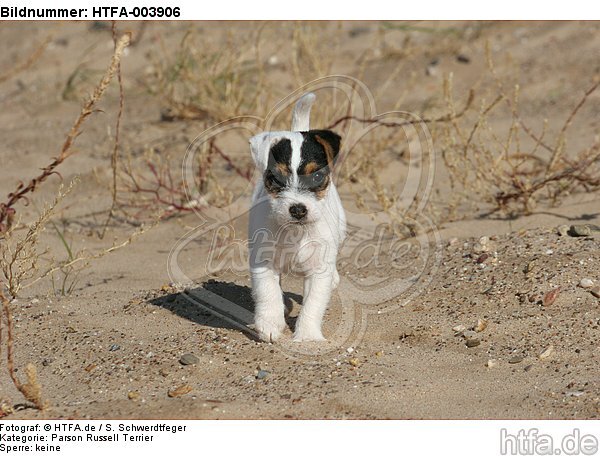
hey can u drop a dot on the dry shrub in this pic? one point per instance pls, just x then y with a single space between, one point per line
312 53
203 80
31 389
19 256
513 170
376 171
149 184
199 81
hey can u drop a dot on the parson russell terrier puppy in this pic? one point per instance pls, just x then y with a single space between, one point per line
297 223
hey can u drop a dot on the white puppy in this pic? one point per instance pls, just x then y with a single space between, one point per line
297 223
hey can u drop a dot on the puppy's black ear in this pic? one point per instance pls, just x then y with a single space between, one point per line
330 141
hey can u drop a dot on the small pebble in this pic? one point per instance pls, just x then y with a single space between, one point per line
261 374
189 358
481 325
114 347
531 265
576 393
431 70
179 391
595 292
459 329
586 283
349 349
354 362
133 395
547 352
481 259
473 343
515 360
492 363
563 230
482 245
469 334
580 231
550 297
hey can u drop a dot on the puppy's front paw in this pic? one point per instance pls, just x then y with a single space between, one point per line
268 329
308 335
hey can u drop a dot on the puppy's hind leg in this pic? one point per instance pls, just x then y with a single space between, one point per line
269 319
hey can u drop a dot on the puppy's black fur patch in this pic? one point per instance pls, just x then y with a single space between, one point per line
319 150
278 167
314 149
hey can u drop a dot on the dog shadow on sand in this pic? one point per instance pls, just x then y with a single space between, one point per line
192 304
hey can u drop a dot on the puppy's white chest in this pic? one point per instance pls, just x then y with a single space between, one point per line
298 252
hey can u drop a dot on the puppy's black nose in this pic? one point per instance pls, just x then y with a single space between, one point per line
298 211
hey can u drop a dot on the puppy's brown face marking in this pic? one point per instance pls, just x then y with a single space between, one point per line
282 169
278 173
328 148
309 167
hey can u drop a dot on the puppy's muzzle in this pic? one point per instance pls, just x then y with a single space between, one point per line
298 211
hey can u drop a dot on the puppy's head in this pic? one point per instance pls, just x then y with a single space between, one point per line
296 170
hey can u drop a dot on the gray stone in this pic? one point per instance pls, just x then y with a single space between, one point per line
580 231
189 358
473 343
262 374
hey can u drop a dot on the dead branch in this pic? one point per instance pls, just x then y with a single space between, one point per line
560 142
382 122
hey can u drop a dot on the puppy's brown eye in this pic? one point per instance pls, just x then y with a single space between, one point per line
278 179
318 178
274 181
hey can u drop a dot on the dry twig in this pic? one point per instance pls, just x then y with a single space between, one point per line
114 161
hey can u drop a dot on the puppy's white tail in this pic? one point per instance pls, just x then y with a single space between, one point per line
301 114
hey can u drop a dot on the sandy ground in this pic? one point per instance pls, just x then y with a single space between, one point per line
404 339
